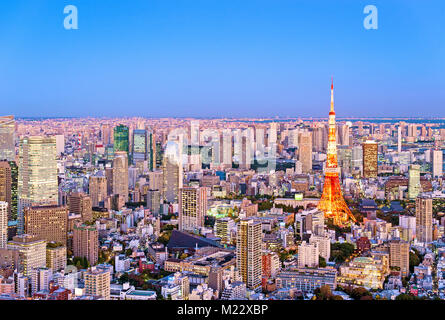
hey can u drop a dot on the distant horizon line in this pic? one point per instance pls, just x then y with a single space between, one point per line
226 118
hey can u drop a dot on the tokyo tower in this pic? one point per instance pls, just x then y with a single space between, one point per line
332 202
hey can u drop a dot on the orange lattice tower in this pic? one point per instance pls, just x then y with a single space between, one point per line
332 202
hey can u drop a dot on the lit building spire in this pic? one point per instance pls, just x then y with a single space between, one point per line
332 94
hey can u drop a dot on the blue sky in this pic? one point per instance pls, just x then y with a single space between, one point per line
200 58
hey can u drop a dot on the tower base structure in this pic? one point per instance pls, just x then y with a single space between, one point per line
332 202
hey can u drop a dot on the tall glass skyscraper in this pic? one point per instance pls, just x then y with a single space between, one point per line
7 138
121 139
139 145
37 181
144 147
151 151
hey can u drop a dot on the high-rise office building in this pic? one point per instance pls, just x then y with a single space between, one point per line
109 177
414 186
97 283
121 139
272 140
370 159
223 228
424 218
3 224
357 158
37 179
7 138
31 252
317 139
227 148
412 130
153 201
248 252
97 189
80 203
344 134
86 243
399 138
155 180
173 177
105 134
437 163
60 144
151 150
246 149
305 151
120 174
47 222
140 145
399 256
192 208
6 185
14 188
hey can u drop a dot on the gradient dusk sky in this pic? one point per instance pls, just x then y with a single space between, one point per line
231 58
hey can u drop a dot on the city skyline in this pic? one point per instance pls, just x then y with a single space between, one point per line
255 59
185 151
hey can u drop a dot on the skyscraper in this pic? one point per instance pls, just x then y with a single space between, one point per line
414 186
437 163
6 185
399 256
399 138
47 222
248 252
153 201
14 188
140 144
227 148
7 138
105 134
370 159
80 203
223 229
424 218
151 150
305 151
109 178
172 176
97 189
192 208
121 139
3 224
120 174
86 243
37 181
332 203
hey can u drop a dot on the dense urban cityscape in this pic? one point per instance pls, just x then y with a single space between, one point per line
222 209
